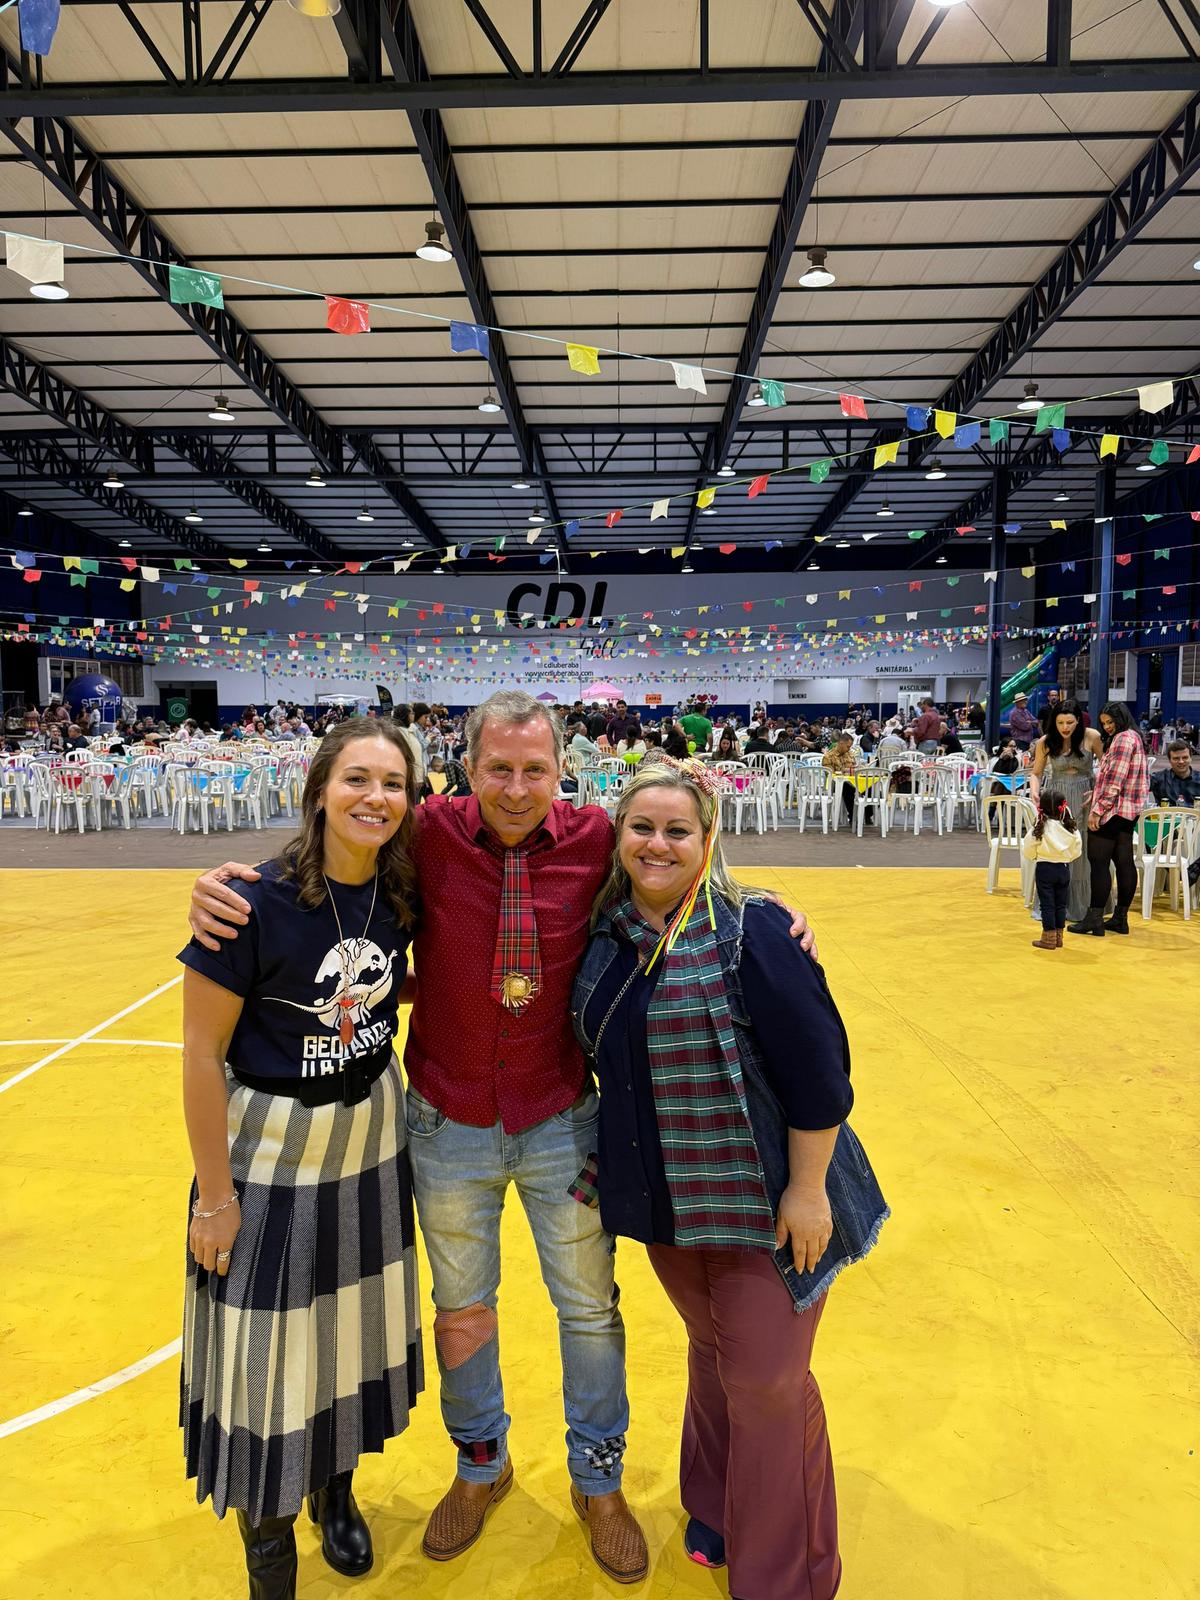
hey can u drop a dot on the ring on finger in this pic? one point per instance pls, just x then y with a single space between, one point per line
224 1255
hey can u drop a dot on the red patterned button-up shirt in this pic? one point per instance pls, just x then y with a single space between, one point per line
467 1054
1122 780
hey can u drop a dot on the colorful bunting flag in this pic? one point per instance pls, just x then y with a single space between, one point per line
966 435
1155 397
347 316
917 418
706 497
583 358
659 509
613 518
1160 452
885 454
944 423
852 405
758 486
187 286
1109 445
35 260
569 532
688 377
773 393
1061 439
727 549
998 430
1050 417
466 336
39 22
819 471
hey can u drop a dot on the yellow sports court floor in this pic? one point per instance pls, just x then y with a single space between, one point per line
1010 1378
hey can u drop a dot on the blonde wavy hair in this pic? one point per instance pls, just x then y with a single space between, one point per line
303 858
690 778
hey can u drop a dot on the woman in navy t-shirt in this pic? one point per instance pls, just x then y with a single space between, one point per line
301 1345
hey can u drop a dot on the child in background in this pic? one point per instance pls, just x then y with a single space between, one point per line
1052 844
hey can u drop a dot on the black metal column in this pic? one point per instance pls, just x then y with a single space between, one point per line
1103 541
997 560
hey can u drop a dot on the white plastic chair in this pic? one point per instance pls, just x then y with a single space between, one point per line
191 798
70 790
15 787
251 798
149 786
812 795
1177 833
871 794
1006 821
116 798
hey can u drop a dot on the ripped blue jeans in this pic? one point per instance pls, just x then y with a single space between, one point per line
461 1176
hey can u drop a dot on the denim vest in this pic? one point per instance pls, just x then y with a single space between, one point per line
857 1206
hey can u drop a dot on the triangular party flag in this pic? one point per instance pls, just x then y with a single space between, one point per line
998 430
917 417
885 454
347 316
1058 523
967 527
758 486
1168 588
953 583
990 577
1051 600
774 544
35 260
583 358
1028 572
1050 417
572 528
150 574
688 377
727 549
235 561
1195 454
843 594
1089 599
945 423
1124 560
658 509
1162 555
910 616
819 471
468 336
773 393
613 518
1109 445
678 550
915 585
533 535
966 435
39 21
706 497
1061 439
852 405
78 580
89 564
1154 397
189 287
1160 452
128 583
1128 594
917 533
33 575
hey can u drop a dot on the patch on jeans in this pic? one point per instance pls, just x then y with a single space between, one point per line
585 1189
480 1452
605 1456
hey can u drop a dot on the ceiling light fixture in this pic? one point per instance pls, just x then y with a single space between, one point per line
842 544
123 544
49 291
885 510
936 470
316 8
406 544
365 514
709 511
944 5
939 561
726 471
757 397
112 481
1031 401
489 402
25 509
687 566
1146 466
435 247
192 515
264 548
315 480
537 515
817 275
520 484
813 567
1062 495
316 570
220 411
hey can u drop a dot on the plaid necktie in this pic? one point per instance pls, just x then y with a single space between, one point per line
517 963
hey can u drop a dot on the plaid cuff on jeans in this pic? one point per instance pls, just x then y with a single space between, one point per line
479 1452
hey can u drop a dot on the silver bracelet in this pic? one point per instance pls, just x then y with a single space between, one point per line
203 1216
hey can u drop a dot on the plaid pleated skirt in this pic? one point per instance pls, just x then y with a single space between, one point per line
308 1353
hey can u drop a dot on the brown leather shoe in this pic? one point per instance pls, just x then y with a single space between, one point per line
458 1517
618 1544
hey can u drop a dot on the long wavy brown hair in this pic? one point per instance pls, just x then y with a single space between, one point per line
303 858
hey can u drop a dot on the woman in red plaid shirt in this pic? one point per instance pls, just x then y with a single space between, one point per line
1118 798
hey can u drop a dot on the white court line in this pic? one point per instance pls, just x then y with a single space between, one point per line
43 1413
83 1038
157 1044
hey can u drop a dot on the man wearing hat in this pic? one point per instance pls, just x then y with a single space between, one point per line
1022 723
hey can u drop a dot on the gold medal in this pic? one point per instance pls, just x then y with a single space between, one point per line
516 989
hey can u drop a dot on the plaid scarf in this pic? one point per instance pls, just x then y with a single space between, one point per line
714 1174
517 963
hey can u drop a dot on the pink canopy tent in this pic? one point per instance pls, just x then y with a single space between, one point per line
601 691
547 696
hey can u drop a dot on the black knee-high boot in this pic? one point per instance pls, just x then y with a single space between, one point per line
270 1557
345 1537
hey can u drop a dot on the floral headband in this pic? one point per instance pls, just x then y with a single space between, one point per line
703 777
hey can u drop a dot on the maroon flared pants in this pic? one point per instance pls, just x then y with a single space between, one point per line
755 1463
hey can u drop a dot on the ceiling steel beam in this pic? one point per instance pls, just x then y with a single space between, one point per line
687 86
406 60
50 459
363 448
1161 174
847 20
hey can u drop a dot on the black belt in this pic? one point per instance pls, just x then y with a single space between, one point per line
351 1084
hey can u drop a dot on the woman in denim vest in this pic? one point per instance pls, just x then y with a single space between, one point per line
723 1146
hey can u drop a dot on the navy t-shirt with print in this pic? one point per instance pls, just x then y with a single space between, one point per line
287 966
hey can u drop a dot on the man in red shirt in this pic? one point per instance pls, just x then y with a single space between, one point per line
499 1093
928 728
